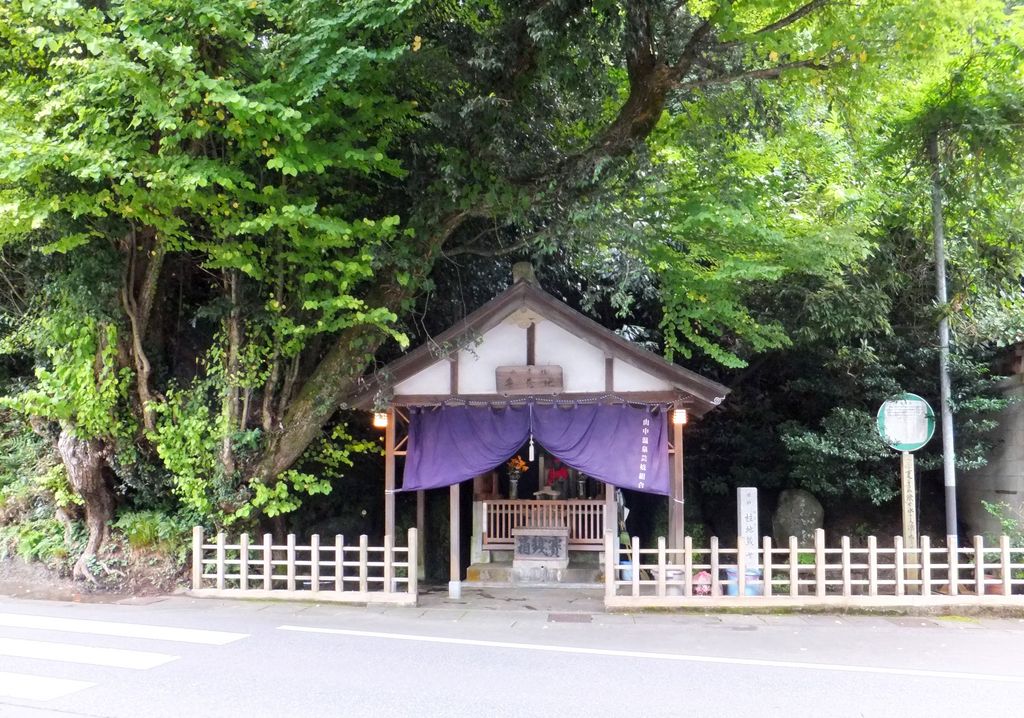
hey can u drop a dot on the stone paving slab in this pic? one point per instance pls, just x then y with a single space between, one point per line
913 622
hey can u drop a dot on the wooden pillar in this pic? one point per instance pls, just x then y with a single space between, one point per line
611 511
454 522
421 525
197 558
611 529
454 560
676 529
389 475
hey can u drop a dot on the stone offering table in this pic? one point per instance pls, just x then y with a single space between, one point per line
541 547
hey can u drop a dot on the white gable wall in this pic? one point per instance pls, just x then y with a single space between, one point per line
626 377
504 345
435 379
583 365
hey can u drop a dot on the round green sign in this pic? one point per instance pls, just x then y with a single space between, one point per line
906 422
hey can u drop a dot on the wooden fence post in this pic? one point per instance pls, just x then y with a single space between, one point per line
926 566
221 557
363 559
661 566
716 582
872 566
687 566
339 563
845 564
1005 571
794 567
290 562
954 565
610 561
314 562
243 562
268 562
979 566
412 559
389 566
635 558
819 562
898 557
197 557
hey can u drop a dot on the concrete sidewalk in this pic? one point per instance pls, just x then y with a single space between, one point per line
554 599
513 606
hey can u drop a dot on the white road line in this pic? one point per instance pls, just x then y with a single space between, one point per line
91 655
124 630
38 688
799 665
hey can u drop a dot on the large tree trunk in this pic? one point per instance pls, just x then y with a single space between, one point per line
84 461
336 375
144 263
653 76
233 326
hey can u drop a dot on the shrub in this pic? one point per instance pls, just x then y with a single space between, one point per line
35 540
156 530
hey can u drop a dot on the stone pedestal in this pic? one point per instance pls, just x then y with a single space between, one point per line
541 547
477 553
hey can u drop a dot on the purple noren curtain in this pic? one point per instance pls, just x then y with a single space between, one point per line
626 446
450 444
622 445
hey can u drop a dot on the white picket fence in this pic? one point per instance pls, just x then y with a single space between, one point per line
790 575
323 571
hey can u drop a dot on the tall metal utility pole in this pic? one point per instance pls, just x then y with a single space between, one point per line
939 233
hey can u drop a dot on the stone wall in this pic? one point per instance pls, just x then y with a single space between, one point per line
1002 480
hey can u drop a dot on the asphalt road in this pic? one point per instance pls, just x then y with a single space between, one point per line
185 657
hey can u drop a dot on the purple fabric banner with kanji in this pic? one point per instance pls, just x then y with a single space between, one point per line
623 445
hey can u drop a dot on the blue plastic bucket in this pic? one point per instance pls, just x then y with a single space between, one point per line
752 587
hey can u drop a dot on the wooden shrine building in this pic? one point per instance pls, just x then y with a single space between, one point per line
523 374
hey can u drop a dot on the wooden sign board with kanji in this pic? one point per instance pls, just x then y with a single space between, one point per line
546 379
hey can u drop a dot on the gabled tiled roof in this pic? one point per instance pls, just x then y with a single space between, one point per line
700 394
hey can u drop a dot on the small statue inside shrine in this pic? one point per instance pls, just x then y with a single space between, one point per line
558 477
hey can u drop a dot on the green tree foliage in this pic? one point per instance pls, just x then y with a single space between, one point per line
805 417
243 139
276 187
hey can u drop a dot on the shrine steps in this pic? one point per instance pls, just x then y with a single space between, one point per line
498 574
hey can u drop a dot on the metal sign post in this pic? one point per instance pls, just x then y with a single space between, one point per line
906 423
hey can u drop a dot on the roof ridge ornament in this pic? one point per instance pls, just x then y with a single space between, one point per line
523 272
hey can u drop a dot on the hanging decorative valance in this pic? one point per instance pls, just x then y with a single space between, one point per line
623 445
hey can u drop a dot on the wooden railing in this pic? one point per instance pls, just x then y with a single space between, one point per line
867 575
326 571
583 517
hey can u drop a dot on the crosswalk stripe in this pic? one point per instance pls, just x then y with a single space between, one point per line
38 688
123 630
91 655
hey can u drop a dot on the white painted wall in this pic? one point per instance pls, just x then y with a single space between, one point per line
626 377
504 345
582 363
435 379
583 366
